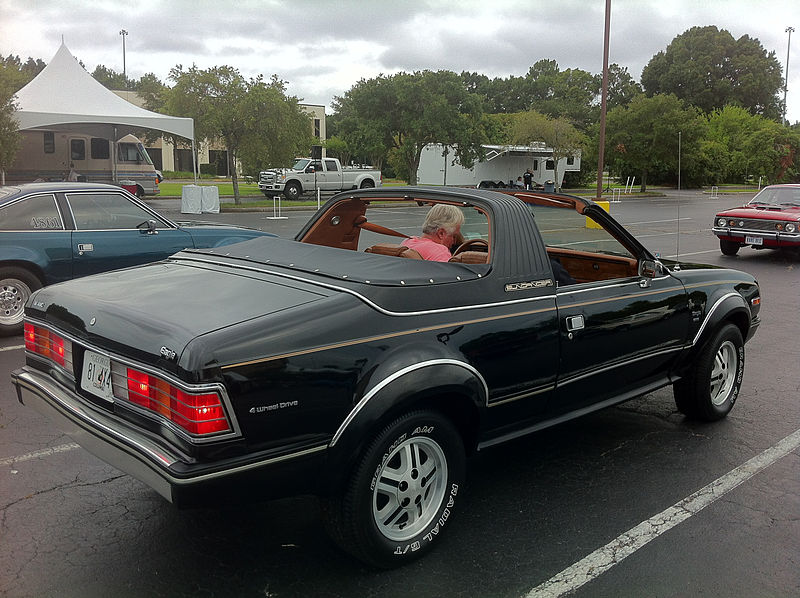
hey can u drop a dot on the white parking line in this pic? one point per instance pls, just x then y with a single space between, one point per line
603 559
62 448
14 348
692 253
645 222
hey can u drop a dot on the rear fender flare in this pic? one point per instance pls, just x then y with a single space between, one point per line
399 392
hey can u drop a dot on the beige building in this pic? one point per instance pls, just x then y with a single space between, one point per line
166 156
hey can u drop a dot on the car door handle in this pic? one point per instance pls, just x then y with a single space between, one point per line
84 247
575 323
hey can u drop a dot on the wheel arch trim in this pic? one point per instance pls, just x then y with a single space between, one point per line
385 382
710 314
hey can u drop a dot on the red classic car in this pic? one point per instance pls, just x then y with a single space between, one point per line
771 220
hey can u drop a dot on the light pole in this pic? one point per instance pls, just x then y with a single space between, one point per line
123 33
786 79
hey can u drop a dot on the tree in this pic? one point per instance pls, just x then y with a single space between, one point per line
746 145
109 78
250 117
408 111
621 87
338 148
278 128
557 133
708 68
642 140
9 132
15 74
571 93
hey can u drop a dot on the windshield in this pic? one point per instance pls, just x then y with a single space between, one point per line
301 164
777 196
145 155
133 152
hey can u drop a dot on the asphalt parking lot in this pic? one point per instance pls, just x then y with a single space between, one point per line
631 501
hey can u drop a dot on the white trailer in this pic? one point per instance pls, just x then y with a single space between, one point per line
502 166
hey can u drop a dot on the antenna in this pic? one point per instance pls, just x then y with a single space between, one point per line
678 237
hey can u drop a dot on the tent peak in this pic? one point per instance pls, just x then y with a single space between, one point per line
64 95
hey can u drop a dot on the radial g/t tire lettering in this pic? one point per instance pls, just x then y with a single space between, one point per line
402 492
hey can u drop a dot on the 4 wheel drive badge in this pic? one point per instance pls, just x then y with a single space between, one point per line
168 353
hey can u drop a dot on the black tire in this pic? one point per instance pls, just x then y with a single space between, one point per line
292 191
16 285
709 390
728 247
401 493
367 184
139 192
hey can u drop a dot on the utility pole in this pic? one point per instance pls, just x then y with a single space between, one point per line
786 79
123 33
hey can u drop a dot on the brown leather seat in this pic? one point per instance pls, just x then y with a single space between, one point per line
394 250
470 257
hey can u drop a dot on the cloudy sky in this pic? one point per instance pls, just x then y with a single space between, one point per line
322 47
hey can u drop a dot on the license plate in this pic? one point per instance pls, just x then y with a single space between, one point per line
754 240
96 377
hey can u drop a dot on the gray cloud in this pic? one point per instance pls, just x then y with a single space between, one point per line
324 47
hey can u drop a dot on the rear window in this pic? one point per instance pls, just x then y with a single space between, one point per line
33 213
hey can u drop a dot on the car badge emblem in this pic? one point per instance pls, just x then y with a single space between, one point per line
92 321
168 353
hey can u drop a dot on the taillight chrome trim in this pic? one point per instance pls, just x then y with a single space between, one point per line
122 392
68 367
208 387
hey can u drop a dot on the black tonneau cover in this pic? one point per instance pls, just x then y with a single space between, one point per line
342 264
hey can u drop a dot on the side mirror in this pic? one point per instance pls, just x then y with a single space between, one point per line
148 227
649 269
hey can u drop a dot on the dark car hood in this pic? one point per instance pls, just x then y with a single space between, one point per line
139 310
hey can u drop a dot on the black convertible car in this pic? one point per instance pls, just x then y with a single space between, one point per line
340 367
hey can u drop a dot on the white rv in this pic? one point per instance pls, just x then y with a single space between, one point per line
501 167
53 155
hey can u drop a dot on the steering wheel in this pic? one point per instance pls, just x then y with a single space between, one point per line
473 245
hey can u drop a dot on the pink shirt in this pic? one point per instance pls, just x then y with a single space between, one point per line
429 250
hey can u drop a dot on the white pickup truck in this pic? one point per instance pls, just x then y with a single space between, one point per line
308 175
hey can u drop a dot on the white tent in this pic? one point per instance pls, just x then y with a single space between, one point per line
65 97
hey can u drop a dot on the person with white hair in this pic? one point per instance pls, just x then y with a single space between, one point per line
441 231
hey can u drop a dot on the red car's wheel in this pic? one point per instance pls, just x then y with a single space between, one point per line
728 247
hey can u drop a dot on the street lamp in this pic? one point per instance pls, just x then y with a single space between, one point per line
123 33
786 79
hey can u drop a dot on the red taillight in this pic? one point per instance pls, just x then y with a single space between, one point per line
197 413
42 341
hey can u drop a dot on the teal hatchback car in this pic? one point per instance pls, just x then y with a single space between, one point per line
51 232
